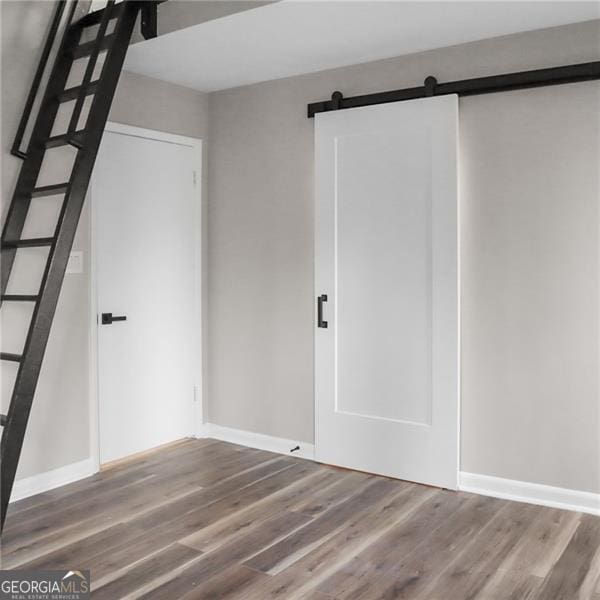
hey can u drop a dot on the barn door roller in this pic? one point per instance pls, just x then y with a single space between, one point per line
466 87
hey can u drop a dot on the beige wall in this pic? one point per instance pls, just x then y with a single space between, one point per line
58 433
529 217
180 14
529 251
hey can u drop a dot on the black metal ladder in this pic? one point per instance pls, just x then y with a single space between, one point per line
115 24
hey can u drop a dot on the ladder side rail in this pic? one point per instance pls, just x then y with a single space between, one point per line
37 337
19 206
37 79
90 68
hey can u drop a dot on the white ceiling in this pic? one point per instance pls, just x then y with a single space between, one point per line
293 37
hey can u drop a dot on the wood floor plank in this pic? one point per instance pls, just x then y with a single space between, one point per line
82 552
223 530
543 542
197 515
388 550
163 455
323 525
142 531
210 494
211 564
31 547
208 519
324 498
415 571
305 574
165 497
153 536
105 482
521 574
98 494
478 561
316 596
590 586
145 572
229 583
511 585
566 578
121 502
102 479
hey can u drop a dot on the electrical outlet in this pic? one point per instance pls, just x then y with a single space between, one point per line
75 263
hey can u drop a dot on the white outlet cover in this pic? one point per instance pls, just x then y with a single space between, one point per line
75 264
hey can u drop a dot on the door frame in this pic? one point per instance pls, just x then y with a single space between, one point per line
94 396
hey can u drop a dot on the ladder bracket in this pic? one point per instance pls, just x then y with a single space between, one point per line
150 20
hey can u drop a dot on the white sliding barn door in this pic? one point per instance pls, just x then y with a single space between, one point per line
387 365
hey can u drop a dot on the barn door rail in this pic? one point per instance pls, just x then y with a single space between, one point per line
466 87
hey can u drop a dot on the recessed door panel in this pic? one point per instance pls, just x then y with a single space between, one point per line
383 268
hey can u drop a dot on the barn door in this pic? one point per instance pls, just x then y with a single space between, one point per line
387 345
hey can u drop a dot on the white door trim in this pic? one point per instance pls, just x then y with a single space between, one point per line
196 145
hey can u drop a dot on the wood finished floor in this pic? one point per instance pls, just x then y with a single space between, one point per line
206 519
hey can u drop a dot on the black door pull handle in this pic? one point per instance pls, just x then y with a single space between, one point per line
320 321
108 319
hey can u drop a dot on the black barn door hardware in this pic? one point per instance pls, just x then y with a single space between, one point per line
466 87
100 90
108 319
320 321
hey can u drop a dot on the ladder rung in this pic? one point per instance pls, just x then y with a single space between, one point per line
20 298
72 93
65 139
50 190
11 357
28 243
87 48
93 18
2 420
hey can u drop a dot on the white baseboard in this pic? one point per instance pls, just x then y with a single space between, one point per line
532 493
36 484
509 489
258 440
498 487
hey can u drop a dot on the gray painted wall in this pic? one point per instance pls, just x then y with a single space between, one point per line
58 434
529 251
180 14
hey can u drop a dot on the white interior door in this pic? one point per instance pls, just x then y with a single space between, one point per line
387 365
145 198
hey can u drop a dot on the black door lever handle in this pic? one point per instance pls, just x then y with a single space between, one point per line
108 319
320 321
